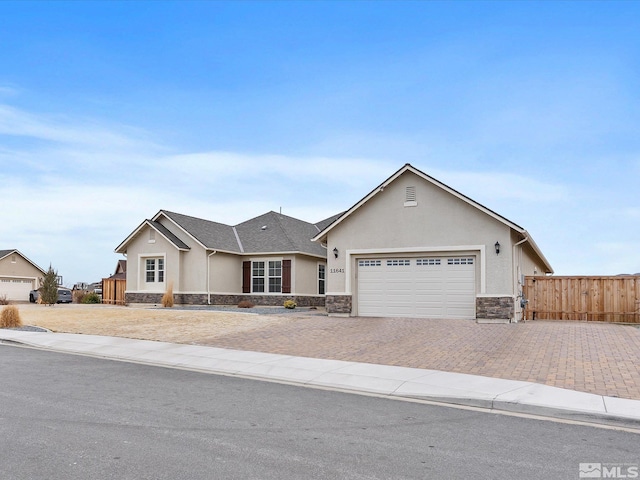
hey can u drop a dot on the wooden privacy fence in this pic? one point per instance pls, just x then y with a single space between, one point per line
113 291
594 299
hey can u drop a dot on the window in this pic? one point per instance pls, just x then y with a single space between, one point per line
321 279
258 277
151 270
154 270
427 261
161 269
460 261
275 277
398 263
266 275
369 263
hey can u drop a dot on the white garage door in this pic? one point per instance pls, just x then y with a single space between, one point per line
430 287
16 289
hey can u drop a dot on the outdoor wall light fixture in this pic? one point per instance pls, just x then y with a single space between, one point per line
497 245
335 252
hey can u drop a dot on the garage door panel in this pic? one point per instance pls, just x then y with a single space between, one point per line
427 288
16 289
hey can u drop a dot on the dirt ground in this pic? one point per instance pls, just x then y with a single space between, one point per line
160 324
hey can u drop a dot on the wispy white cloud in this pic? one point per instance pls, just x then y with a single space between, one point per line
63 130
73 199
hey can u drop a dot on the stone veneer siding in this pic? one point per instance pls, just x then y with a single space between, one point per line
201 299
490 308
338 304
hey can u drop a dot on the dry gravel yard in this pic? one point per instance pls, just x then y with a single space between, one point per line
161 324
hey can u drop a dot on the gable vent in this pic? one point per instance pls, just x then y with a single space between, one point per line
410 197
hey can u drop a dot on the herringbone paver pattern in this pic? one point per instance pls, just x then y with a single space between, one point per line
588 357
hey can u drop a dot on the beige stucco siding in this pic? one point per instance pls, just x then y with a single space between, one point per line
304 275
139 250
439 222
225 273
18 269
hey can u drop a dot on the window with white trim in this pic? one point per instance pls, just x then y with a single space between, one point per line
398 263
460 261
154 270
321 279
422 262
266 276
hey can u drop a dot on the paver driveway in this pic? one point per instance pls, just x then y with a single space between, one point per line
589 357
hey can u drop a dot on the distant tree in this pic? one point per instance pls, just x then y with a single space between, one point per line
49 288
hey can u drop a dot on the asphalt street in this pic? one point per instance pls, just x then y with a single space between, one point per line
73 417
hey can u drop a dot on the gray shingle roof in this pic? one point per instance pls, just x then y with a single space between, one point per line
268 233
169 235
4 253
212 235
322 224
274 232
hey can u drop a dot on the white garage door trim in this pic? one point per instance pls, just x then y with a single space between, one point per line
425 287
15 288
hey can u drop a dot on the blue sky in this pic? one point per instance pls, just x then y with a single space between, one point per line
111 111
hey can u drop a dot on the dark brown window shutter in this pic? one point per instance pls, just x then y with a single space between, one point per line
286 276
246 277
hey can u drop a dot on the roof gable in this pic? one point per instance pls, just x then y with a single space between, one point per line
409 168
268 233
6 253
322 236
158 227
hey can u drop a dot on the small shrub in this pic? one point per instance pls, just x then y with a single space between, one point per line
91 297
3 300
246 304
78 295
10 317
167 298
290 304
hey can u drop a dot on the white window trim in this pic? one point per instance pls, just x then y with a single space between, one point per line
266 277
323 279
142 272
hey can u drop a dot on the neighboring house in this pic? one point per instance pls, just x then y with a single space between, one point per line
18 275
266 260
415 247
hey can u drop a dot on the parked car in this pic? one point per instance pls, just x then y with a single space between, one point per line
64 295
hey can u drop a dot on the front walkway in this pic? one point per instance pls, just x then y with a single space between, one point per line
589 357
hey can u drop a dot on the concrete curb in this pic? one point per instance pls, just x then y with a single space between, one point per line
381 380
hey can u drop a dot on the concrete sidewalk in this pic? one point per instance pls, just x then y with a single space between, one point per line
384 380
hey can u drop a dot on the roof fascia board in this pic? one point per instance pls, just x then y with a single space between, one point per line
538 252
125 242
264 254
162 213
